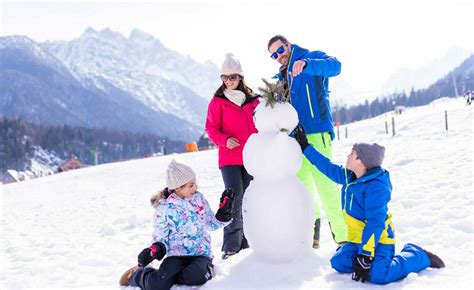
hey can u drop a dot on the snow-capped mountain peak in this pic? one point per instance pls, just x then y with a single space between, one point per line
36 50
141 65
406 78
90 30
140 35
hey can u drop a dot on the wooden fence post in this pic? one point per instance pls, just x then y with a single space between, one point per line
446 119
386 127
337 132
346 132
393 126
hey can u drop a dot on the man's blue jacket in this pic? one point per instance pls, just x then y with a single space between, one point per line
309 93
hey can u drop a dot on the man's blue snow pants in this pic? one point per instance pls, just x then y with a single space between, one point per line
386 267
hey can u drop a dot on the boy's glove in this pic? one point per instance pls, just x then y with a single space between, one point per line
362 265
300 137
155 251
224 213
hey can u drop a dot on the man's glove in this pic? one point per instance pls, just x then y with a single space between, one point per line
155 251
362 265
224 213
300 137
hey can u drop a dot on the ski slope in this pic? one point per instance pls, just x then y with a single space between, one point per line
84 228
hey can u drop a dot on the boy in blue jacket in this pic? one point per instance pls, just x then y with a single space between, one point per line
366 190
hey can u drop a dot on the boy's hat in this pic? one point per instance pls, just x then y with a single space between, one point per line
178 174
371 155
231 66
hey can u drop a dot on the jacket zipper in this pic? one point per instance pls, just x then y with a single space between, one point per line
309 101
345 198
245 118
352 196
289 77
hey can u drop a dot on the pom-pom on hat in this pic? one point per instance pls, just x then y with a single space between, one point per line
178 174
231 66
371 155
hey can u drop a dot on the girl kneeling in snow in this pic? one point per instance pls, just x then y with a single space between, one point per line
369 253
181 221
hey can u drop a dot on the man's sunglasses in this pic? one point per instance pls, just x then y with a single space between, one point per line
232 78
280 50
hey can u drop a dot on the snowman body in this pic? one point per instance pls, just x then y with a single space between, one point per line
277 209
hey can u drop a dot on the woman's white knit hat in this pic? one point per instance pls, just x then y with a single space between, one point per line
178 174
231 66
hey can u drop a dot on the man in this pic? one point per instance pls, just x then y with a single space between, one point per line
305 74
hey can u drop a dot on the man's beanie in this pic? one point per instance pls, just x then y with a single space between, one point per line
231 66
371 155
178 174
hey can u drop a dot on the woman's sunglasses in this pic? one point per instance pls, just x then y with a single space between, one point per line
232 78
280 50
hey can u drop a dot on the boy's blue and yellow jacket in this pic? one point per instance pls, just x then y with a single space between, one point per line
309 93
364 202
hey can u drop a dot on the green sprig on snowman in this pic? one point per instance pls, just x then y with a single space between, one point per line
274 93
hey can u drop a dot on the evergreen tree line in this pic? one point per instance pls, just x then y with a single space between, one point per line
18 138
460 80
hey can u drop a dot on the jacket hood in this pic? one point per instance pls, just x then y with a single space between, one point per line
375 173
296 53
176 200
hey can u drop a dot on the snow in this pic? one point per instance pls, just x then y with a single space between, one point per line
84 228
44 162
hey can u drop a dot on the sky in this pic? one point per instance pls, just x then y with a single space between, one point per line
371 38
82 229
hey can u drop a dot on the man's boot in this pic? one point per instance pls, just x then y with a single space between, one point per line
317 227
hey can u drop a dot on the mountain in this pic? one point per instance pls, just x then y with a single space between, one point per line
143 67
152 57
453 84
340 90
37 87
405 79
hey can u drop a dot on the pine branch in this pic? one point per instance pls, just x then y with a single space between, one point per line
274 93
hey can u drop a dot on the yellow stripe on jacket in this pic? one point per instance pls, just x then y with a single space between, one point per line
355 228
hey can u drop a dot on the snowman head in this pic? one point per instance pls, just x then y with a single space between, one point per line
272 153
282 117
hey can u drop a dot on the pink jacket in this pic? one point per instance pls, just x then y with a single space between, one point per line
225 119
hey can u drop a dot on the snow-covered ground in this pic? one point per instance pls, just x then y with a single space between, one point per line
84 228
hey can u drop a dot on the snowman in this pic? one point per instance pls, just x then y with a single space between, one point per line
277 208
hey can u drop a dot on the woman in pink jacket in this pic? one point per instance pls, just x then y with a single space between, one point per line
229 124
